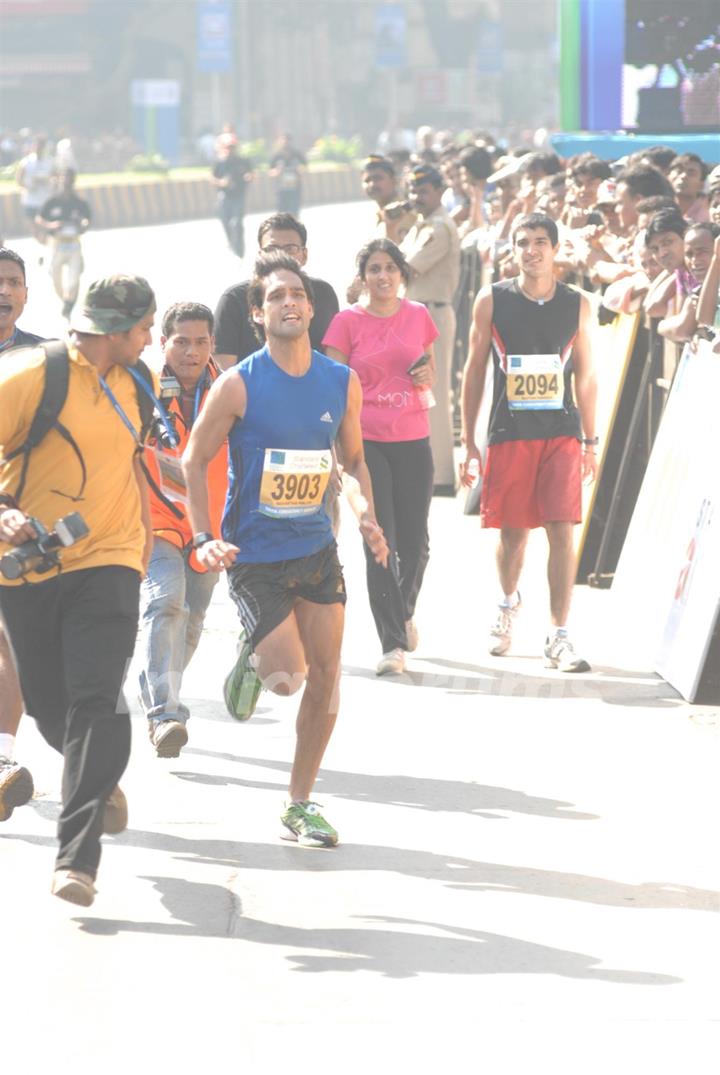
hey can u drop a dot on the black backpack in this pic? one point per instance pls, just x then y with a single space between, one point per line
52 401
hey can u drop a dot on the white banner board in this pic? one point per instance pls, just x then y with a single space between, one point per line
666 591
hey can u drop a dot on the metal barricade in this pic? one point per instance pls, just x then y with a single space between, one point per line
645 393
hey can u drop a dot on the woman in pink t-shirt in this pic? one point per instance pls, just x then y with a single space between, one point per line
381 340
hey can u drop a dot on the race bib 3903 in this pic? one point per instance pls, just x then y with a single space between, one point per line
293 482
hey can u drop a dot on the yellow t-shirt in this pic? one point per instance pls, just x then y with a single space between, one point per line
110 503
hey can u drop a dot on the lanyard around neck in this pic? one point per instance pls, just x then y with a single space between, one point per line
159 409
111 396
157 405
200 387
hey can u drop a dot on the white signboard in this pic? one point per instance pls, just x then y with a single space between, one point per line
155 92
666 592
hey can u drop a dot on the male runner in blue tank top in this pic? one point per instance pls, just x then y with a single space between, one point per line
282 409
542 425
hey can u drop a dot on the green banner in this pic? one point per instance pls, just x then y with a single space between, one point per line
569 65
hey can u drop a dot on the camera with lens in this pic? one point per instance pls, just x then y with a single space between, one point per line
169 389
40 554
166 438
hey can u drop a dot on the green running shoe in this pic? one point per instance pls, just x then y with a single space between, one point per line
242 687
305 823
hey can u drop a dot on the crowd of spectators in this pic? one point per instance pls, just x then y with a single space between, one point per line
641 231
107 151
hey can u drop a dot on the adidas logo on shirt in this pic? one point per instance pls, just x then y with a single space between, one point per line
327 417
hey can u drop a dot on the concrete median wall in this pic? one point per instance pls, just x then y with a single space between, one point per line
143 200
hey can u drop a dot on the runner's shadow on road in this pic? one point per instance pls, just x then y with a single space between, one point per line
213 781
396 789
468 679
453 872
412 949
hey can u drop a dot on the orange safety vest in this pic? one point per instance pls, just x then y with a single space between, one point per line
164 523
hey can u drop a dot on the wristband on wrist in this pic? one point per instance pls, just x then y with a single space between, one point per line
201 538
591 442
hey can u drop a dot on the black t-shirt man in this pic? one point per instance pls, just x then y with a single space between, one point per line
288 162
70 210
235 169
234 334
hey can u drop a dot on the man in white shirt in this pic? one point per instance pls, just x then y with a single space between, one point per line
35 178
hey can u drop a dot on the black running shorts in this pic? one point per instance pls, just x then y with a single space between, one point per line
265 594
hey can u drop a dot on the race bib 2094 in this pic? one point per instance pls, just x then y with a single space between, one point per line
535 383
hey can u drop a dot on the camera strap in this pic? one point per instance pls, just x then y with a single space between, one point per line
198 394
144 385
150 405
134 433
140 382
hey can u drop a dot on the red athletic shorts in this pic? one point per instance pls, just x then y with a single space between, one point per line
528 483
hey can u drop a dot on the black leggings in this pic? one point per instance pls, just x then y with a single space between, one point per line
402 482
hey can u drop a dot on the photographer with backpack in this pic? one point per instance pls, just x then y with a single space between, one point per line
72 425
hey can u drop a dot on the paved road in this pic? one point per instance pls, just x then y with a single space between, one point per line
528 877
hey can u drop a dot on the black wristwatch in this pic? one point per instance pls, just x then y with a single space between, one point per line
706 332
201 538
591 442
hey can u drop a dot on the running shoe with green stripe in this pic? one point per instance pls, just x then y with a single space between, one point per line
305 824
242 687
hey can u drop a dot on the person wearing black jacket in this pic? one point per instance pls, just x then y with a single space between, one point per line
13 298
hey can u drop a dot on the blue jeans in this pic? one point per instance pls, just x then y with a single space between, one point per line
173 603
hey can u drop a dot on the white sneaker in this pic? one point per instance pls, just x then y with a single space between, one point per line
391 664
501 631
74 886
413 639
560 653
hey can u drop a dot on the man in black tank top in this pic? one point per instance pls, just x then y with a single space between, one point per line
542 425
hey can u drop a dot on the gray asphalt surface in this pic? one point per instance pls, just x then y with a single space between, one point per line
528 876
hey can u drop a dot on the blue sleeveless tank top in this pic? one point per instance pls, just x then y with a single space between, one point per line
279 459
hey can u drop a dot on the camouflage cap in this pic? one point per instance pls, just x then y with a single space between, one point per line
113 304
